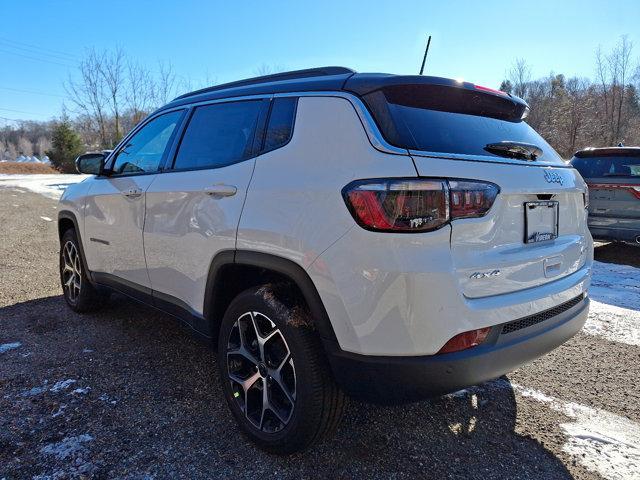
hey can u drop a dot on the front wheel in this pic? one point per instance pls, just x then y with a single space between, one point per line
78 292
274 374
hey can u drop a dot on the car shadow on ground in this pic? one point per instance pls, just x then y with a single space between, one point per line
616 252
145 399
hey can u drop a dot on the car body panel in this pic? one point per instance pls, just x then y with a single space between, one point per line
186 226
113 223
294 206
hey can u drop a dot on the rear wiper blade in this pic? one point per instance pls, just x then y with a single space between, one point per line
618 175
519 150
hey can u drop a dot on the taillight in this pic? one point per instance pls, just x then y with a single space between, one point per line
633 189
398 205
470 198
585 197
466 340
416 205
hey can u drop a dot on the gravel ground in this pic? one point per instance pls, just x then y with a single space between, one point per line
129 393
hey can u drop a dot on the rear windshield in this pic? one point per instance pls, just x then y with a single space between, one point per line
450 120
591 167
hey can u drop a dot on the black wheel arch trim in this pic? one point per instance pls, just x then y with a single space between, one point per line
280 265
69 215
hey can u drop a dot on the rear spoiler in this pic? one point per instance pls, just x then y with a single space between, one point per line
364 83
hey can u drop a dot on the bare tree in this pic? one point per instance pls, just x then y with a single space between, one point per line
140 91
520 76
43 144
614 71
111 68
25 147
266 69
88 93
165 86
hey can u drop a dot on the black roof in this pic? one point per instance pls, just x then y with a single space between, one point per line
608 152
319 79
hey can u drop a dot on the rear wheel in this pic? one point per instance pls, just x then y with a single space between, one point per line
78 292
274 373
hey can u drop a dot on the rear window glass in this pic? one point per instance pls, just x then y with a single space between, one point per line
450 120
591 167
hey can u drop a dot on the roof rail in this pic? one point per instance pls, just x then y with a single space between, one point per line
309 72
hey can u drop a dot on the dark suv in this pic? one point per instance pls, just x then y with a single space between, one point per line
613 177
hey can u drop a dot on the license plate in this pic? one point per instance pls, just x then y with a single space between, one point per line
541 221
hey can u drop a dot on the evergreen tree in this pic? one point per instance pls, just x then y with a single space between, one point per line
66 146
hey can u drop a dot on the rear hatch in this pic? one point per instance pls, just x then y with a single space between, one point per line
613 177
535 232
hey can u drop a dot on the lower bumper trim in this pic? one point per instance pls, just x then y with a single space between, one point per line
393 380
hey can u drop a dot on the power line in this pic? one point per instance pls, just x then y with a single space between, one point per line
19 111
33 51
33 92
37 59
56 52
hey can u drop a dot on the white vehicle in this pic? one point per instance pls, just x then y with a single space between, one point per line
388 237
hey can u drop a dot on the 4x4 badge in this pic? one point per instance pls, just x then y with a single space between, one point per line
552 177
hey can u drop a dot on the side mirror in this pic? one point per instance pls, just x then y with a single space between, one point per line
91 163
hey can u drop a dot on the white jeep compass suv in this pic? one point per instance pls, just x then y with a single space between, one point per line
388 237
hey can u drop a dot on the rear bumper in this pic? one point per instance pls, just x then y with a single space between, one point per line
386 379
615 234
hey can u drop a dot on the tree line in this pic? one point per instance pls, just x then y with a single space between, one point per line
573 113
110 93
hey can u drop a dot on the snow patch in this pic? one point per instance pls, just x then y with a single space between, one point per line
601 441
34 391
615 324
62 385
51 186
617 285
5 347
69 446
81 391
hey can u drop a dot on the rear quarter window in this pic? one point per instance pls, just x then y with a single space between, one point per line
280 127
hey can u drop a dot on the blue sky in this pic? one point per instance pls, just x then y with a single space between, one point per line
225 41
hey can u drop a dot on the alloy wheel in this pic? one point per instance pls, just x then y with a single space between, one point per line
261 372
71 271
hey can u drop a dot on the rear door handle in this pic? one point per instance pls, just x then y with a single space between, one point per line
132 193
221 190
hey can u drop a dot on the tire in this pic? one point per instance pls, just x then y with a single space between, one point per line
78 292
267 339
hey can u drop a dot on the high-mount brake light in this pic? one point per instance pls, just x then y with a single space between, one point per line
416 205
491 90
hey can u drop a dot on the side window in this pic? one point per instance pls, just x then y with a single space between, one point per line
283 112
219 135
143 152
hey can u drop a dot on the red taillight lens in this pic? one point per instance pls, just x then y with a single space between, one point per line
398 205
416 205
466 340
471 199
633 189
